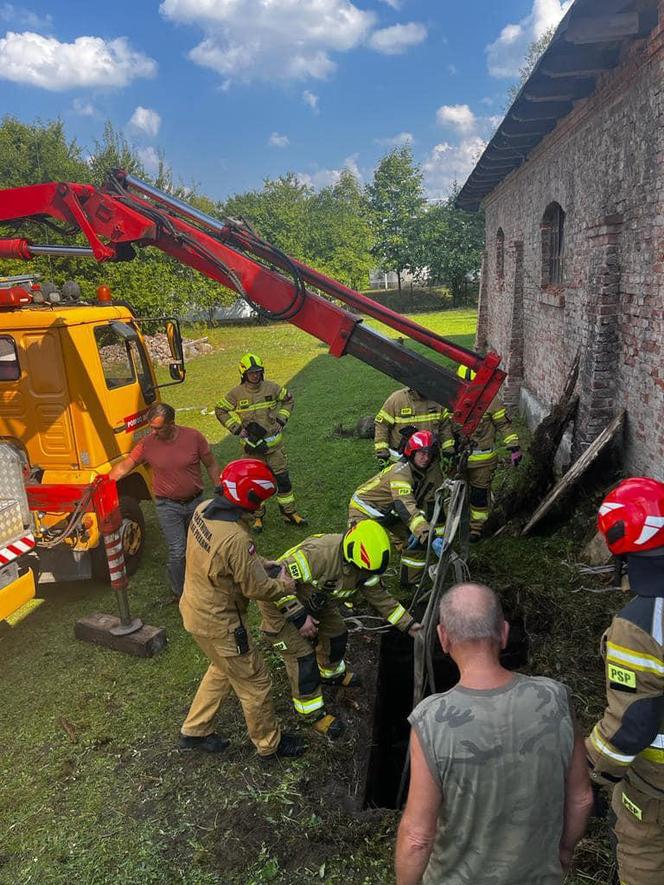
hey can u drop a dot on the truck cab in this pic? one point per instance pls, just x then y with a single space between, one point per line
76 382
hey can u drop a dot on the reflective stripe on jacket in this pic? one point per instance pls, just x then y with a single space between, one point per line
406 408
317 565
266 404
629 739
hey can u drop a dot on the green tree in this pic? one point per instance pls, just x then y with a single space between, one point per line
38 152
452 241
278 212
532 56
339 237
113 151
397 202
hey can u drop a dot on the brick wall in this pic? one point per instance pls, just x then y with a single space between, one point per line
604 165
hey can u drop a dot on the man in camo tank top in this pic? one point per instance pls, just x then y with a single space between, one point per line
499 790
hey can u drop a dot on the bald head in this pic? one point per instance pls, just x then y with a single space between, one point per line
471 613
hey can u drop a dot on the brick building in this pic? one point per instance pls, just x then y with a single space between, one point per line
572 185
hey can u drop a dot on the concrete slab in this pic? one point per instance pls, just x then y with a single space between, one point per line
96 628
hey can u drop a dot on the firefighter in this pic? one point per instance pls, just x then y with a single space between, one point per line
400 497
328 569
404 412
223 572
257 411
483 458
626 747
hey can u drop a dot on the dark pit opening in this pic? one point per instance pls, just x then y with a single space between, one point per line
394 702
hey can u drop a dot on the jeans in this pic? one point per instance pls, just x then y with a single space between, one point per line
174 519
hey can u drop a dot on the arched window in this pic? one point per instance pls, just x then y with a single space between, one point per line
500 256
553 244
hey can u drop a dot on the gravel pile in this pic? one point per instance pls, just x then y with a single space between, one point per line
158 349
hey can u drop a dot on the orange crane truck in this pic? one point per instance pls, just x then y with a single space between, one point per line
70 414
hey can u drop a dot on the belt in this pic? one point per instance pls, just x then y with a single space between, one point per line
179 500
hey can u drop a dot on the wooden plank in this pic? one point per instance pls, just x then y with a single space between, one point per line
540 110
558 89
576 470
602 29
144 643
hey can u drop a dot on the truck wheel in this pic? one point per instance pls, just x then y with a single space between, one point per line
132 533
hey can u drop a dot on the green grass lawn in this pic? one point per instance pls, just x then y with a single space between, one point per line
92 789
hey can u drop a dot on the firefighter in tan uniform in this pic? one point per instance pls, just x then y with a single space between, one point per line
401 498
223 572
626 748
404 412
328 569
257 411
483 458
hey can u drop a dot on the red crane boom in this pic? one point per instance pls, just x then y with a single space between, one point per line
128 212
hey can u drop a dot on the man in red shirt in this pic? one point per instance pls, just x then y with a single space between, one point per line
175 455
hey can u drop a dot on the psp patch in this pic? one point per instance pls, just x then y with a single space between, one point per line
621 679
294 569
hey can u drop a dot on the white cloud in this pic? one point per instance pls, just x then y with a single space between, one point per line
146 121
19 17
88 61
311 100
459 116
150 158
278 141
452 70
448 163
398 38
395 4
277 40
326 177
505 55
83 108
397 140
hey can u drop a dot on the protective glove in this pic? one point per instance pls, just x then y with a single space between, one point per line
413 542
516 457
438 546
383 455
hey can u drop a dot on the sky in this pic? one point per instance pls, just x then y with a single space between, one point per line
236 91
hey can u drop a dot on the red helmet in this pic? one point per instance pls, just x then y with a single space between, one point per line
631 517
247 482
420 441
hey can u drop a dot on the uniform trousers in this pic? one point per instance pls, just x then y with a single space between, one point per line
248 677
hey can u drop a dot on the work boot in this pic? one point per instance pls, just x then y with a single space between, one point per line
294 518
331 727
289 745
258 524
210 743
346 680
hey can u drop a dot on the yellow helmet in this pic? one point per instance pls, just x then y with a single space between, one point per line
250 361
367 545
466 373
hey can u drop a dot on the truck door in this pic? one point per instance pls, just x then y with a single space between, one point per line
130 386
34 397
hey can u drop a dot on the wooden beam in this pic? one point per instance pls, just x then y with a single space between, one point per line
513 129
576 470
540 110
558 88
572 62
602 29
